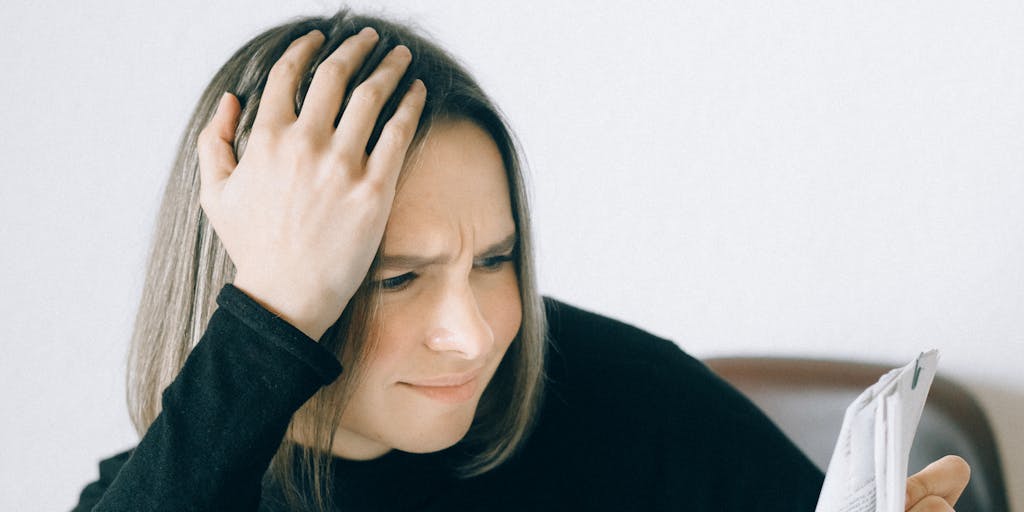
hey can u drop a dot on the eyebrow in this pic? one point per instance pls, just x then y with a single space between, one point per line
412 261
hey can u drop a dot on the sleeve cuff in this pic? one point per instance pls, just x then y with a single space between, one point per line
282 334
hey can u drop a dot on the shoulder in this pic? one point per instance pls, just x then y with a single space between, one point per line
631 368
599 360
597 336
590 347
584 338
614 381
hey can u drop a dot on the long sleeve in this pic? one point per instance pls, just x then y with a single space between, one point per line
728 453
223 416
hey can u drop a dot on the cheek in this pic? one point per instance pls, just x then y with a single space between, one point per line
397 335
502 307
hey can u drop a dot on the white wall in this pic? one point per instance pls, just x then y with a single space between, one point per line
839 179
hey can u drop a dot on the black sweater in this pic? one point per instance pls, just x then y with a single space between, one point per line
629 422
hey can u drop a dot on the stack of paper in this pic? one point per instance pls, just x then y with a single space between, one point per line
868 469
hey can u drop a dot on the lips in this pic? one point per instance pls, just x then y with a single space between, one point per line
449 389
446 394
446 380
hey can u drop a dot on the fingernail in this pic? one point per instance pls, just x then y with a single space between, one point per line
366 31
314 32
402 49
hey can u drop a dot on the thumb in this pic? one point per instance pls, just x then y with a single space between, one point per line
945 478
216 155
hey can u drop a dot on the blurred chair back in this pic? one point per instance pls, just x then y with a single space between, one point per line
807 399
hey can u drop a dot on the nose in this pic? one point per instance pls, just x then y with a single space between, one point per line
460 327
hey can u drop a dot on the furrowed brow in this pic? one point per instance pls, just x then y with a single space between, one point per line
502 247
412 261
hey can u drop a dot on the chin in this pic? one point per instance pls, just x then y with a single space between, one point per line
436 439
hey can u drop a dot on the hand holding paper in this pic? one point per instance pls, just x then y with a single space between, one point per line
938 486
867 472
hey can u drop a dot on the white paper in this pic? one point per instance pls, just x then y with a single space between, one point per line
868 469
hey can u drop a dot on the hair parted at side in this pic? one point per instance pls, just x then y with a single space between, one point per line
187 264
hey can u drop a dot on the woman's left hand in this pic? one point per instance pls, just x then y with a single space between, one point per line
938 486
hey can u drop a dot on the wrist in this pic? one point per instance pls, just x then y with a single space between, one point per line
310 312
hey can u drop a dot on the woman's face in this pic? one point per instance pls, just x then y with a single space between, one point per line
451 312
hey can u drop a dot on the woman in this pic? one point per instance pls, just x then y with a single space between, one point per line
355 202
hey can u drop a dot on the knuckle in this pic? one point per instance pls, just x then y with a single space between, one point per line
260 138
369 93
339 183
337 166
205 137
916 487
344 162
343 157
202 142
302 141
334 69
397 128
389 139
206 147
933 504
375 187
285 68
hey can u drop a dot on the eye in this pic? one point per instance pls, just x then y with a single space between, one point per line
492 264
397 282
495 263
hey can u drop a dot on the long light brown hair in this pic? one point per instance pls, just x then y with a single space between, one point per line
187 264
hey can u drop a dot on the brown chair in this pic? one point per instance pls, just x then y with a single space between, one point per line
807 399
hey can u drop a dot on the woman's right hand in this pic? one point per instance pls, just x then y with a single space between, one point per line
303 213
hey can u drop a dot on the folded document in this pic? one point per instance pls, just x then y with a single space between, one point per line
868 469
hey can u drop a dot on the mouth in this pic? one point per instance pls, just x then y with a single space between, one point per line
446 394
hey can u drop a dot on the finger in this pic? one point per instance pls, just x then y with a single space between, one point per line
932 504
277 105
367 100
323 99
214 145
945 478
385 163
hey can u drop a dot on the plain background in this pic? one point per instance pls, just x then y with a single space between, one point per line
835 179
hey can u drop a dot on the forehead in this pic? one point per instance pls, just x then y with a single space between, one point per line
456 183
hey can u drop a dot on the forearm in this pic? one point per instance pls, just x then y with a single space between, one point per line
224 415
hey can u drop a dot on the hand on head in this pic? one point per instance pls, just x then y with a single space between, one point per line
304 211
